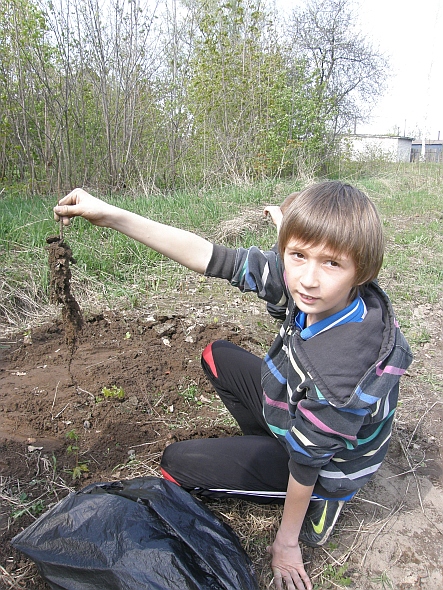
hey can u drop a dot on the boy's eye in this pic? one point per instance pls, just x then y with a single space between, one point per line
333 263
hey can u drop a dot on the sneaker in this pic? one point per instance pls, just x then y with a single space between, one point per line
319 521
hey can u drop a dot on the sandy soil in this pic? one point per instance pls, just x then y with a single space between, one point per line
390 536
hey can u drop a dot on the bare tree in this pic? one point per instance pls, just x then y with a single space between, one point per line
349 72
23 49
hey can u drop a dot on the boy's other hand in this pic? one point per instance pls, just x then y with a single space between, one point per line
274 213
287 566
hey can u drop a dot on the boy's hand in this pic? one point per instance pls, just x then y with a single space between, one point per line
287 566
79 203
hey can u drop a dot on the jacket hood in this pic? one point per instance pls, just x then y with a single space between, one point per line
336 357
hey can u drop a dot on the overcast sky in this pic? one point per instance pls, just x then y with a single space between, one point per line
411 34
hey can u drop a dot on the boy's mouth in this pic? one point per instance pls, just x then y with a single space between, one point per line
307 298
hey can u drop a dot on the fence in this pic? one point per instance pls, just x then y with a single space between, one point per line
431 155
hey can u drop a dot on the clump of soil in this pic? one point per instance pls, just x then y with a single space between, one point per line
59 258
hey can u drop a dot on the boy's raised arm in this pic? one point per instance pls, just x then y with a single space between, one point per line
184 247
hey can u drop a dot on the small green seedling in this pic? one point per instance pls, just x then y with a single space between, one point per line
384 580
333 576
28 507
78 470
73 437
112 392
79 467
190 394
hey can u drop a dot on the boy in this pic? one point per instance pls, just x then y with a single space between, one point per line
316 413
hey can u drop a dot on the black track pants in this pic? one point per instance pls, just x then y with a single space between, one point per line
253 466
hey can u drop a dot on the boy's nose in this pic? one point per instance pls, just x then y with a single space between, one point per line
309 278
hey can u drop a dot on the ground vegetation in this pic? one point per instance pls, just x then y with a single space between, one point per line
105 409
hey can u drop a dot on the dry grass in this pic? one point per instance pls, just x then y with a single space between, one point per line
20 305
20 579
251 220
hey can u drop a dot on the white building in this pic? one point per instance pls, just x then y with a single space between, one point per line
370 147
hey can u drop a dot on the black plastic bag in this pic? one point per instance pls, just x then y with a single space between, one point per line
144 533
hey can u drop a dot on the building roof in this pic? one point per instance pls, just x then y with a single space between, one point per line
427 142
379 136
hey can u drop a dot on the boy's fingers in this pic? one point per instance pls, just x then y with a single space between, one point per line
68 199
64 210
64 220
74 197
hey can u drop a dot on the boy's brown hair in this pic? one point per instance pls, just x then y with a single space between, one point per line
341 218
288 202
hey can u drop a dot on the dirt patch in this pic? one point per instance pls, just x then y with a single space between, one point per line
57 421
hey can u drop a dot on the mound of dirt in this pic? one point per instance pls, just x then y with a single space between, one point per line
134 385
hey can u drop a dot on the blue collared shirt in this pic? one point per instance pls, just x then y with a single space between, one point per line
354 312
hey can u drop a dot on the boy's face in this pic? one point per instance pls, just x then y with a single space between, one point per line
319 282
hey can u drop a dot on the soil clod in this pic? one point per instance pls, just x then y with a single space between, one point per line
59 258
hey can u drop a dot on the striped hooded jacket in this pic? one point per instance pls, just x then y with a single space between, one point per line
329 399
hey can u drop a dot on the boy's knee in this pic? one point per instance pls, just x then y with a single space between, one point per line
167 463
207 361
217 353
182 462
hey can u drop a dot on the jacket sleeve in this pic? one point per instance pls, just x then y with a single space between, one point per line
250 270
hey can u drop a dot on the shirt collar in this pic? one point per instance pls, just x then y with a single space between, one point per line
354 312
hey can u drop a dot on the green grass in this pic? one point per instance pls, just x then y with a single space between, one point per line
410 200
111 269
